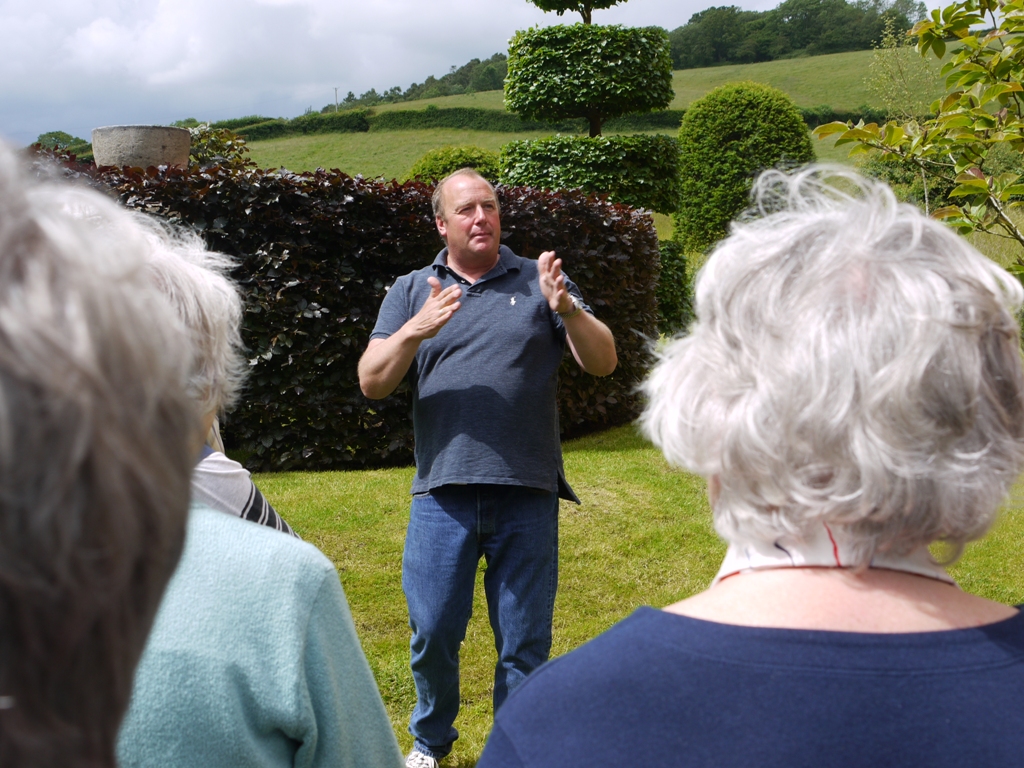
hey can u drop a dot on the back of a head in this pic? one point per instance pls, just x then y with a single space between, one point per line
97 442
854 363
196 282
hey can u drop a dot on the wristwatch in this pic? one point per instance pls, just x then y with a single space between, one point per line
577 307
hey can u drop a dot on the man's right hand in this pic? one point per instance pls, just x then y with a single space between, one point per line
386 361
436 310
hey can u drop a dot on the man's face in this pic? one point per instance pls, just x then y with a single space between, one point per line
471 223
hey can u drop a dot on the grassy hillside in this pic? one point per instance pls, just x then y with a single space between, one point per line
385 153
837 80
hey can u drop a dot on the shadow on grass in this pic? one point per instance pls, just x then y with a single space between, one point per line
624 438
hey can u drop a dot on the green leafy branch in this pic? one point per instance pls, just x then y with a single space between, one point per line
982 109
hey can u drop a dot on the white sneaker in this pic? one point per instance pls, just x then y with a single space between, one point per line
419 760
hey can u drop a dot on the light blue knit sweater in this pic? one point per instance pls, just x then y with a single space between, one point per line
254 661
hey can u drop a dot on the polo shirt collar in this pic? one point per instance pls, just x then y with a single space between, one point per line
507 262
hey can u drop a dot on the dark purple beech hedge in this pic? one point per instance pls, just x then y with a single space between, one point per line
316 253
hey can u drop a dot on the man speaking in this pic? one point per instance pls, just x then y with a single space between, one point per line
480 333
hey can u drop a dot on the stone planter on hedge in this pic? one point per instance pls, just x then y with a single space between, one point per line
140 145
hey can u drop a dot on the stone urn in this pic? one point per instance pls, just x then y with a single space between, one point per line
140 145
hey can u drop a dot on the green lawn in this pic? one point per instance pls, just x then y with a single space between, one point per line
643 536
838 79
378 153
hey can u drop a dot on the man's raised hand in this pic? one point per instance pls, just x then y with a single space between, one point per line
552 282
436 310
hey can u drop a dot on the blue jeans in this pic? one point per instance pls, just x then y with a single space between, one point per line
515 529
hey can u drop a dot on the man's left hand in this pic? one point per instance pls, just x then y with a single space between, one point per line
552 283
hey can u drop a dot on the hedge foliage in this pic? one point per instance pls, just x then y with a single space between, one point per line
316 254
583 7
641 171
675 294
257 128
727 137
589 71
468 118
438 163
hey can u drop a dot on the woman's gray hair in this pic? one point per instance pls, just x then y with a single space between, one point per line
853 362
97 442
207 301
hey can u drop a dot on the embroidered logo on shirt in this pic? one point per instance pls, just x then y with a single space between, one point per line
512 301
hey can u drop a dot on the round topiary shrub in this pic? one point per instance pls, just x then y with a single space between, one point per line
438 163
726 139
589 71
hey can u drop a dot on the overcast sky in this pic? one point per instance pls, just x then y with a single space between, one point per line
74 65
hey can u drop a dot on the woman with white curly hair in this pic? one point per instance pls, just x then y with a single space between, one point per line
197 283
852 390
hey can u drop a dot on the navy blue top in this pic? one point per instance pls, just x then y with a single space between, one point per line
659 689
484 387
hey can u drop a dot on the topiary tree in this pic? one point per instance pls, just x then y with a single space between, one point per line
641 171
438 163
596 73
726 138
583 7
588 71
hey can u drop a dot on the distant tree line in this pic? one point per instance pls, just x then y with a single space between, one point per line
486 75
731 35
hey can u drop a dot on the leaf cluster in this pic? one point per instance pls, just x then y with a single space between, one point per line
589 71
316 253
727 137
216 146
675 294
438 163
641 170
584 8
982 109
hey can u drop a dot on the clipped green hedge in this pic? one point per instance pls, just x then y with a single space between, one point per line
352 121
589 71
438 163
675 294
240 122
823 113
468 118
317 252
269 129
641 171
727 137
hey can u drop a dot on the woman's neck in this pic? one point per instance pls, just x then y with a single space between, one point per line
876 600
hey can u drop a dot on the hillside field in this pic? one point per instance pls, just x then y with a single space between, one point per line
837 80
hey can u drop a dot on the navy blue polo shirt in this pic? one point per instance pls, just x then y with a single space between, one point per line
484 409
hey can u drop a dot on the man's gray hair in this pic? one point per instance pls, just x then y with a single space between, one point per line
97 442
437 198
208 302
853 362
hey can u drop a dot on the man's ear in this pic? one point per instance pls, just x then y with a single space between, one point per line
441 228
